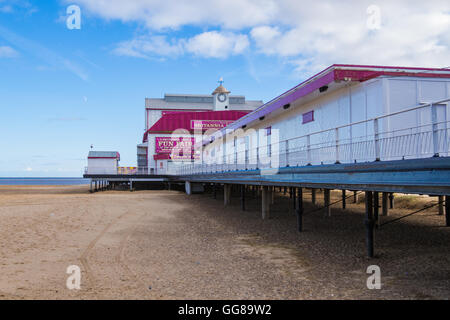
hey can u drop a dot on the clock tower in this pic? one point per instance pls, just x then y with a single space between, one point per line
221 97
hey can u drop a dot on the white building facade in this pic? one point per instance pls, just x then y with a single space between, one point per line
181 111
103 162
344 114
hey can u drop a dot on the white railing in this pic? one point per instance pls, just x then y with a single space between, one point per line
101 170
342 146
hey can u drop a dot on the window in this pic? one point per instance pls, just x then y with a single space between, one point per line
308 117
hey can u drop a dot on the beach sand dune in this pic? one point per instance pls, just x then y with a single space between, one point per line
167 245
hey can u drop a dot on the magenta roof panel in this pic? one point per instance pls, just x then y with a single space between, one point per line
170 122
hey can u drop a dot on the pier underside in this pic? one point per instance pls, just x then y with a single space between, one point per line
379 181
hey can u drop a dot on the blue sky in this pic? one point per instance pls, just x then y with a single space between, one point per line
62 90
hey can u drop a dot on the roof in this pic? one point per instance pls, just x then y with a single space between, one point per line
335 73
104 155
220 89
168 123
206 103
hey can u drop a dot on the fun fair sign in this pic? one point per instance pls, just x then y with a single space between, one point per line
167 144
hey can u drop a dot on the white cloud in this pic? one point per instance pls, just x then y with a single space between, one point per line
8 52
217 45
43 53
211 44
6 9
143 47
159 14
308 35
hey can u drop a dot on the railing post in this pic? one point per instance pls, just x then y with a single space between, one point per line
377 140
235 157
337 145
287 152
257 157
308 149
435 131
246 158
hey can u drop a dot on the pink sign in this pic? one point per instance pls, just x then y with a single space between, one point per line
210 124
167 144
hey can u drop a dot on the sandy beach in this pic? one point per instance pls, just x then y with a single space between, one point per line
160 244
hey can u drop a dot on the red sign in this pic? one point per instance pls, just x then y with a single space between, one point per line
167 144
308 117
210 124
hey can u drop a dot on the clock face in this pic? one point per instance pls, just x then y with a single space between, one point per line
222 97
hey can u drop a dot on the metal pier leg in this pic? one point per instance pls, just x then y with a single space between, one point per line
313 196
95 186
285 190
131 185
294 202
447 211
226 194
243 197
391 200
272 195
384 204
291 192
326 198
215 191
265 203
90 186
299 210
376 206
355 196
441 205
369 222
343 200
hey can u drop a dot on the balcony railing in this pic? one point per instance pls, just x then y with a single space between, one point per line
341 145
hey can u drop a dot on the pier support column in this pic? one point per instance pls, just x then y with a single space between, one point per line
131 185
272 195
285 190
384 204
226 194
391 200
90 186
343 199
447 211
355 196
95 186
376 207
299 210
265 203
294 199
313 196
369 223
326 198
243 197
215 191
441 205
